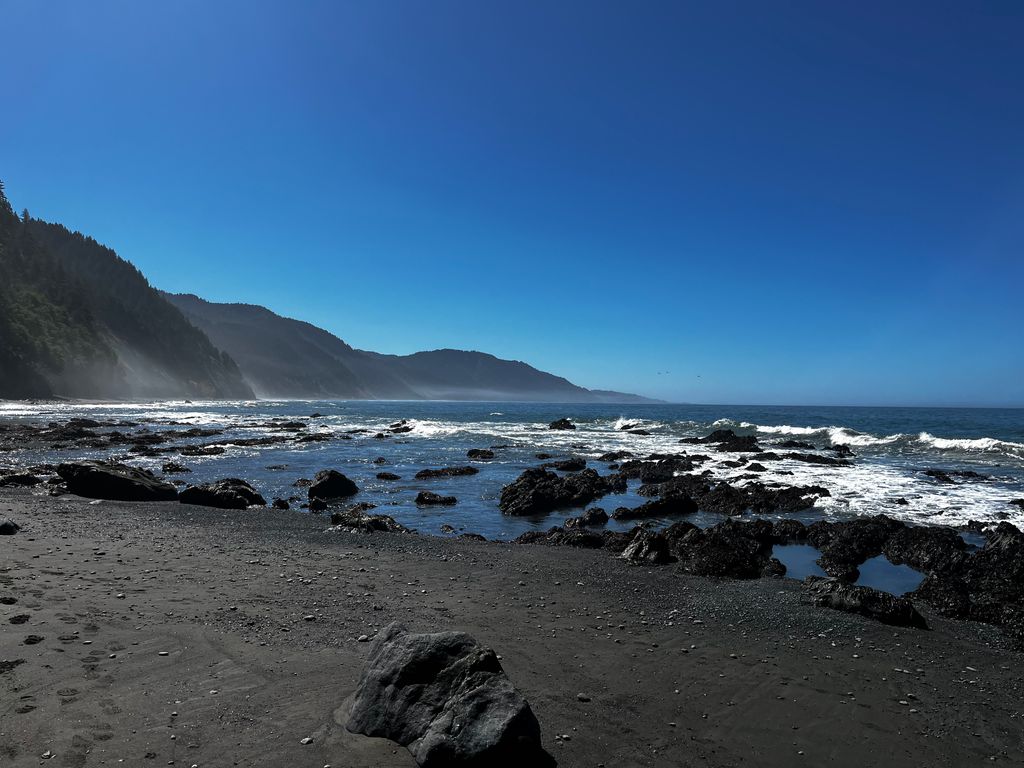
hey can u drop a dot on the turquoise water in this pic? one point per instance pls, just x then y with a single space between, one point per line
892 447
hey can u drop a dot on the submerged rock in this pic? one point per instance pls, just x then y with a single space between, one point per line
430 474
832 593
229 493
390 476
480 454
331 484
116 482
574 464
447 700
429 498
592 517
562 423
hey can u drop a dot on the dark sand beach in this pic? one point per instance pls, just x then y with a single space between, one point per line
168 634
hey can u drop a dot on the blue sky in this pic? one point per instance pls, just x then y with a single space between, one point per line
746 202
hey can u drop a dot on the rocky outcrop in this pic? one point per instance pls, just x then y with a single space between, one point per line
116 482
229 493
648 548
331 484
356 519
727 441
538 491
731 549
881 606
447 700
663 507
562 423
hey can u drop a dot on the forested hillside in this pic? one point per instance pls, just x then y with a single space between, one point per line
76 320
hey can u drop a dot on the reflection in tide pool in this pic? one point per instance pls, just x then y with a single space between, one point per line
883 575
799 560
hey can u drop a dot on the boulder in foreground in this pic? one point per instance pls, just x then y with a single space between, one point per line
8 527
833 593
114 482
331 484
447 700
229 493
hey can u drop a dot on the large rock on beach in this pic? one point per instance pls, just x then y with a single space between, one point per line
331 484
538 491
228 493
115 482
447 700
835 594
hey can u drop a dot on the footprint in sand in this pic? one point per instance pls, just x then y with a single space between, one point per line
8 600
21 618
33 639
25 706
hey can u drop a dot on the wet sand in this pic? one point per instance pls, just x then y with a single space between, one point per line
179 635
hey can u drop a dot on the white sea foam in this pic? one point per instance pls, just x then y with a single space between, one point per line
784 429
989 444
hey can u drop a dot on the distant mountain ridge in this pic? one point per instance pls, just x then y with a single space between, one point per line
283 357
77 320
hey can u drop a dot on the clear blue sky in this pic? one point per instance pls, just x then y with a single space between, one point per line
766 202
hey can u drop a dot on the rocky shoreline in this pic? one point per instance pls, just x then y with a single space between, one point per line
978 583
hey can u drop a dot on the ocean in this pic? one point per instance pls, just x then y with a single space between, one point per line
892 446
